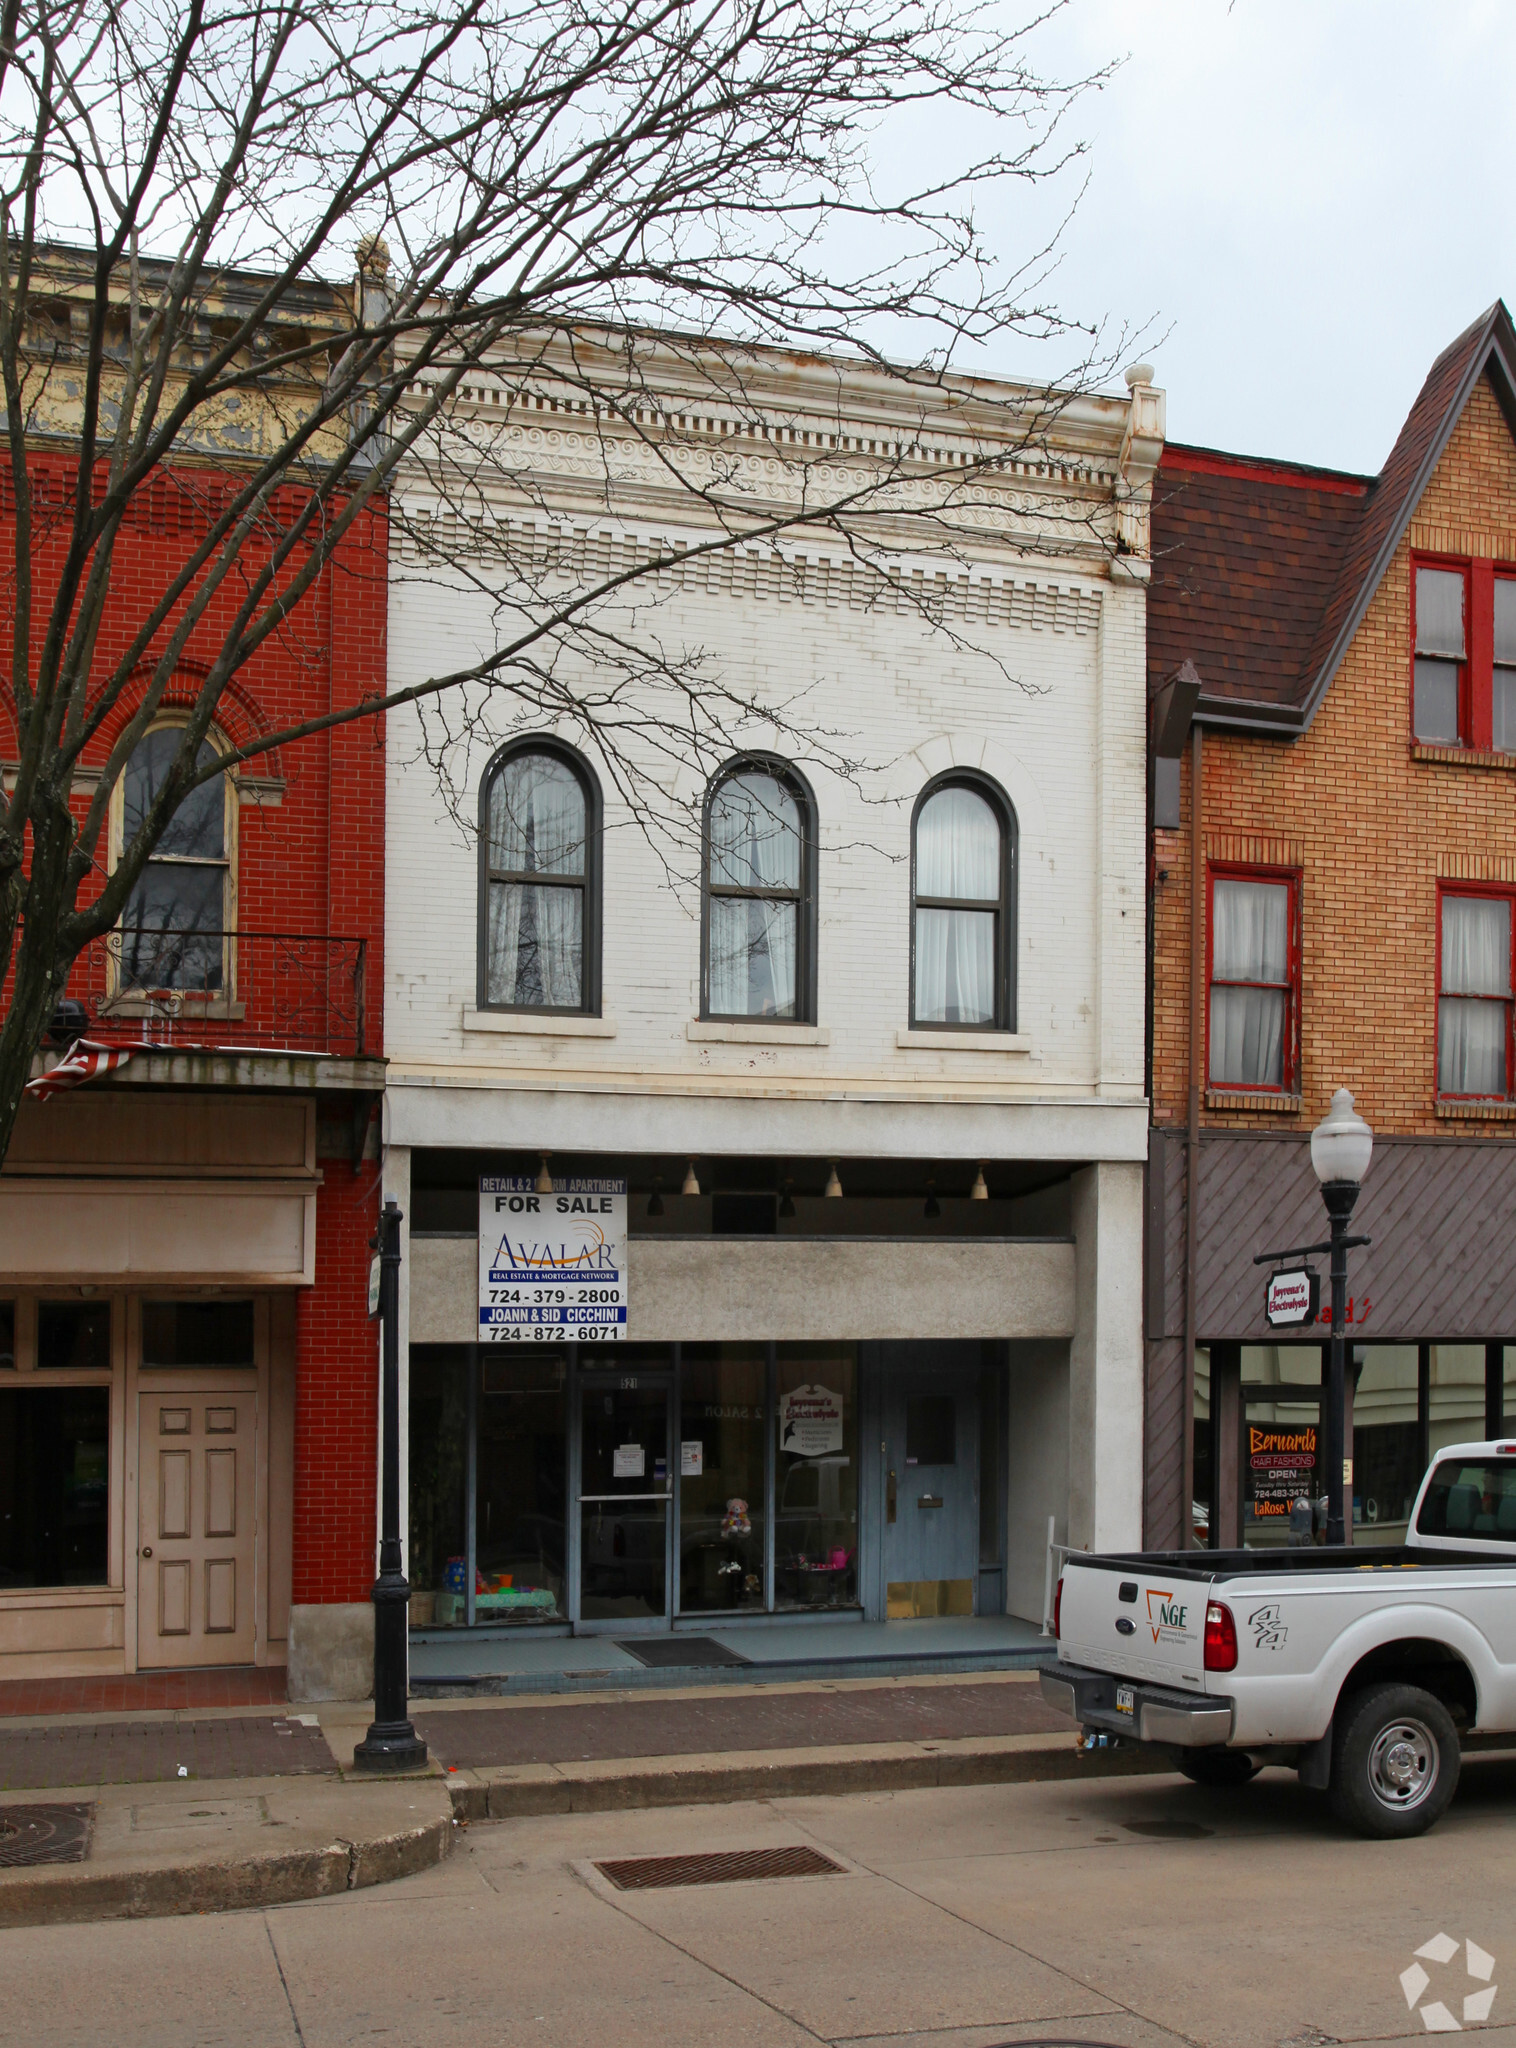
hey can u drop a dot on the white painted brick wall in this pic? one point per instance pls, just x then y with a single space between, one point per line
1068 751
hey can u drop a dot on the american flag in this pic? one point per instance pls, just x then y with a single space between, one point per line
84 1061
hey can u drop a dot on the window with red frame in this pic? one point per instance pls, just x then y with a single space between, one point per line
1441 671
1254 980
1474 995
1463 677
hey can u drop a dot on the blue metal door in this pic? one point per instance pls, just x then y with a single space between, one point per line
930 1508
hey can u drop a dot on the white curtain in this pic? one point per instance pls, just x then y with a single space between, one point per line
755 834
755 844
1250 934
752 962
536 945
958 848
957 857
1476 980
537 817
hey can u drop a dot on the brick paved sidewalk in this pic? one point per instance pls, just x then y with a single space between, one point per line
144 1692
478 1737
140 1752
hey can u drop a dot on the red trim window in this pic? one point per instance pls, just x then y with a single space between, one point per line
1475 933
1440 671
1253 973
1503 690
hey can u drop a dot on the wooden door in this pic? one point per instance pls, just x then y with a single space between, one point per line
197 1549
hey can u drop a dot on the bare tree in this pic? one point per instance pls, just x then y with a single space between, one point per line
617 212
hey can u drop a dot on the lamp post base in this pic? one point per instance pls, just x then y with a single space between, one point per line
390 1746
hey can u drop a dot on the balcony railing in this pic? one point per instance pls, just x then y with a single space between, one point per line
227 991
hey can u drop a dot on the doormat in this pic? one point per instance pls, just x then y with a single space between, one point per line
665 1652
723 1866
44 1834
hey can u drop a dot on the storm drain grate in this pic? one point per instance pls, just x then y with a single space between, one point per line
44 1834
726 1866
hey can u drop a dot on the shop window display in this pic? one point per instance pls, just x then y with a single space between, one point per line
520 1544
721 1476
7 1336
438 1481
1386 1440
816 1476
1282 1446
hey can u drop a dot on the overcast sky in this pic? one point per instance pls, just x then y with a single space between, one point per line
1311 197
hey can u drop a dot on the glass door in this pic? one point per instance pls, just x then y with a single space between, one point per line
624 1496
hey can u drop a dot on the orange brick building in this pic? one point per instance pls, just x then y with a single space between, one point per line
1353 743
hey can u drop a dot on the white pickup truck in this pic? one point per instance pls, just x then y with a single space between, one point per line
1358 1668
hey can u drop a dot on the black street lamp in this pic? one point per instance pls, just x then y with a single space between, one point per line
391 1743
1341 1146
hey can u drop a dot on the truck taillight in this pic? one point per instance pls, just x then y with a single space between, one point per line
1057 1605
1220 1638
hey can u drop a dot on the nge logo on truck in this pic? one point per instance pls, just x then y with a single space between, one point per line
1167 1617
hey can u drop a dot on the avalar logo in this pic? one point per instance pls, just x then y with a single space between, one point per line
1167 1616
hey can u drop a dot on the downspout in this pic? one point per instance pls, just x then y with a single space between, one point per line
1192 1148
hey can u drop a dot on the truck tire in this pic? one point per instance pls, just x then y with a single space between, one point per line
1218 1768
1395 1761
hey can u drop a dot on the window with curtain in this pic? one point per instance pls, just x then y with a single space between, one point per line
961 880
174 925
1252 1022
758 841
1503 695
539 862
1440 655
1474 999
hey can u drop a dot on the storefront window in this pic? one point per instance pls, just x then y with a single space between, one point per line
197 1333
521 1492
1457 1395
816 1476
74 1334
1387 1463
438 1467
1203 1492
721 1477
7 1336
1282 1443
54 1486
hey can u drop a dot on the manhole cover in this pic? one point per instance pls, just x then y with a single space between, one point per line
727 1866
1168 1830
44 1834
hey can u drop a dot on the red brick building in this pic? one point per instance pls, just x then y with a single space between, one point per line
1333 905
188 1398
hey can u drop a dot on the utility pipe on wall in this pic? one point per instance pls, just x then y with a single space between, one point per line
1192 1146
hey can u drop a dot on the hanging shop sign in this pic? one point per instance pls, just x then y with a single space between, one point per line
552 1265
1292 1298
810 1422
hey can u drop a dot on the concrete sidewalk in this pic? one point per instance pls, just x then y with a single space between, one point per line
238 1833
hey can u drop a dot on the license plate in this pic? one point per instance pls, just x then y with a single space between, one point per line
1125 1702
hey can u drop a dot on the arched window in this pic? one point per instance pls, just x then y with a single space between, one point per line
176 925
963 907
539 885
760 850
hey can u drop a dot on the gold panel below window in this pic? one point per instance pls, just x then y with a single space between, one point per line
915 1599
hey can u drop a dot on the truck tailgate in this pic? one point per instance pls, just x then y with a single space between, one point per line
1133 1622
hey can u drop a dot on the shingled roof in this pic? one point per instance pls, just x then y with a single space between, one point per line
1262 571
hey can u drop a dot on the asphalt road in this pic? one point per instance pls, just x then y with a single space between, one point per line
1130 1912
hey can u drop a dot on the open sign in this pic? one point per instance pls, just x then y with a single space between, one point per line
1292 1298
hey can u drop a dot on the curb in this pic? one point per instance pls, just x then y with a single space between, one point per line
519 1792
48 1896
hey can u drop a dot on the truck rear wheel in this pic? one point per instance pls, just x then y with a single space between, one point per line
1217 1767
1395 1761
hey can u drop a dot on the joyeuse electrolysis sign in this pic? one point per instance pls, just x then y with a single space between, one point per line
552 1266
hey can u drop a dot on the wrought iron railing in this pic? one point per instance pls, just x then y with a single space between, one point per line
228 990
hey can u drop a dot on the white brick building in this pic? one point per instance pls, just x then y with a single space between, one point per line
968 1305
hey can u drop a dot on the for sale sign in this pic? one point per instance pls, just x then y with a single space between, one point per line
552 1262
1292 1298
